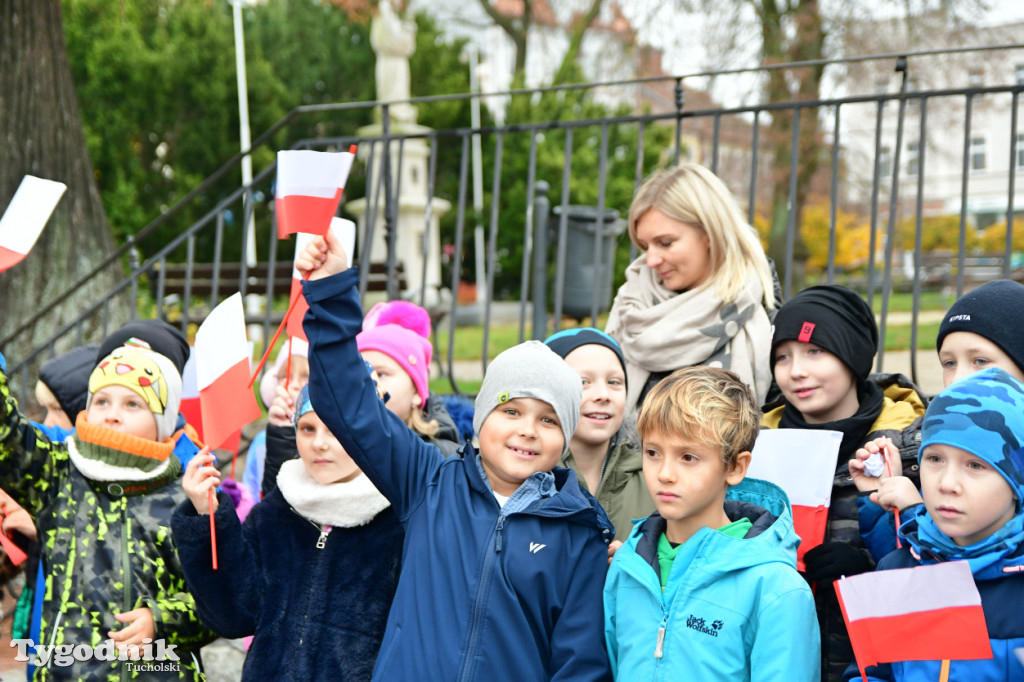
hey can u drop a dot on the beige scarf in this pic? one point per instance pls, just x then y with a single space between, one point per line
661 330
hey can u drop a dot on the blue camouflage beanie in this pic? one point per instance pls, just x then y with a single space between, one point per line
983 413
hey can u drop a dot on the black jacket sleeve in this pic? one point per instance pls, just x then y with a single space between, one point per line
280 448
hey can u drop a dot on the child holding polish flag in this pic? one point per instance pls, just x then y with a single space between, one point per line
972 483
822 350
102 501
311 572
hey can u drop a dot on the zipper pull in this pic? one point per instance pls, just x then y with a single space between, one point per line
497 540
321 541
658 650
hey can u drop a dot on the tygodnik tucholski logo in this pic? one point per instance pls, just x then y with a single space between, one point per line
150 657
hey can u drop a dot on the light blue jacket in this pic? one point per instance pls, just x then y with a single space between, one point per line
733 609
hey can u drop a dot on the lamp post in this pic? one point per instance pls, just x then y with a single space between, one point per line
243 133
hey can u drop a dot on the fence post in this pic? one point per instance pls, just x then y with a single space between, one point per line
539 283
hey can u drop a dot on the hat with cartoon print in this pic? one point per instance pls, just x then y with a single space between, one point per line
531 370
982 413
151 375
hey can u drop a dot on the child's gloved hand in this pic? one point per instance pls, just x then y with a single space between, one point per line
832 560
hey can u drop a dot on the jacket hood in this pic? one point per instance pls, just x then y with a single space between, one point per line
997 556
436 409
770 539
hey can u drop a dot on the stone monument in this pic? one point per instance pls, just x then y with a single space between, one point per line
394 40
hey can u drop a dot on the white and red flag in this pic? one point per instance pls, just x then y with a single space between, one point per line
345 232
926 613
803 463
309 187
191 406
222 374
26 216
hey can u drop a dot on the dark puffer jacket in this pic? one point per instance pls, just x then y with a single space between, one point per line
316 613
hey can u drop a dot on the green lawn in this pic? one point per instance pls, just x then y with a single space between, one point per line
904 303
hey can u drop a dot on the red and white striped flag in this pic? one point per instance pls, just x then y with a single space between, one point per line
803 463
26 216
309 187
191 406
222 373
926 613
345 231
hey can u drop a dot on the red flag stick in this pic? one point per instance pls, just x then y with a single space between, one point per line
895 510
213 530
277 335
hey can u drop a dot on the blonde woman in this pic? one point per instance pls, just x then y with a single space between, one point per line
701 292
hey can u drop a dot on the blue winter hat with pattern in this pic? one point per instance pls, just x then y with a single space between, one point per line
983 413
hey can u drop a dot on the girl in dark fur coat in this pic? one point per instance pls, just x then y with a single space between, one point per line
312 572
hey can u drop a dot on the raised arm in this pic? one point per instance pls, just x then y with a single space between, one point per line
398 462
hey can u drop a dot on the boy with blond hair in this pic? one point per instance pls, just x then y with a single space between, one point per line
504 558
706 588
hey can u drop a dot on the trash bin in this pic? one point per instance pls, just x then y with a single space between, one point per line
582 273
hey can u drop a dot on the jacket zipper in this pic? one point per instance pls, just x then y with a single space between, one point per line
478 604
126 569
659 646
325 530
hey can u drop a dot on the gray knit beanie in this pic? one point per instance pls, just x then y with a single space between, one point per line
531 370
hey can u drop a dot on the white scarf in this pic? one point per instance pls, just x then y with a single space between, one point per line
345 505
661 330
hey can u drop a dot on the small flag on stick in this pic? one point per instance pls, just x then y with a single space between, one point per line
309 187
926 613
26 216
801 462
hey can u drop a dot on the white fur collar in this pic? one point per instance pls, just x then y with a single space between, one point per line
96 470
346 505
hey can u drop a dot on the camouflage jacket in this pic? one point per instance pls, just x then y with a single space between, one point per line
103 553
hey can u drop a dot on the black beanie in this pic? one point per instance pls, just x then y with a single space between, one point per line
158 335
568 340
67 377
834 318
994 310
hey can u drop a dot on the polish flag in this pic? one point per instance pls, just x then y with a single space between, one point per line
222 374
191 407
926 613
26 216
345 232
309 187
801 462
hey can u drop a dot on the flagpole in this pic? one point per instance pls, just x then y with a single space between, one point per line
944 671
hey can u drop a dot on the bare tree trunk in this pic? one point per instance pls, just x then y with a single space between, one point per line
41 134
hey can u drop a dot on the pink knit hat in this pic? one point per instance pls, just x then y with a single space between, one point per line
401 330
411 351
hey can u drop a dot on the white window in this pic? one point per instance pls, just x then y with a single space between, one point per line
975 78
884 162
976 154
1018 71
913 157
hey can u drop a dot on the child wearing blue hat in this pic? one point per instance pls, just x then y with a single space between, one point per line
312 571
972 484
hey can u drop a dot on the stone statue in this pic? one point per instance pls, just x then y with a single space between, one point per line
394 41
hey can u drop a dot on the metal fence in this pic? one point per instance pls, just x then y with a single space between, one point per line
602 158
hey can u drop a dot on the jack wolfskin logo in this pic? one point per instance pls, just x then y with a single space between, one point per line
536 547
700 625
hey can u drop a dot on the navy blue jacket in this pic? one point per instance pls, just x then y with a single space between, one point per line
482 596
317 614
